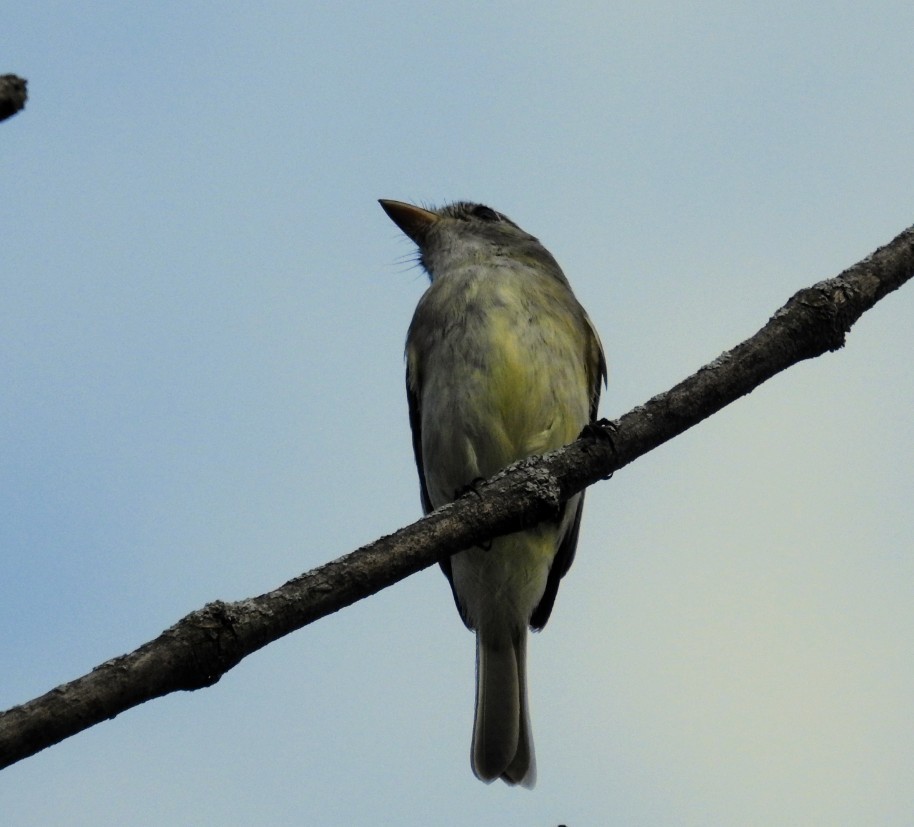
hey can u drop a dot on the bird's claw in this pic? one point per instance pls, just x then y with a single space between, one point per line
472 487
601 430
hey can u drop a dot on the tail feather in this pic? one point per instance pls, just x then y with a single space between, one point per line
502 744
522 770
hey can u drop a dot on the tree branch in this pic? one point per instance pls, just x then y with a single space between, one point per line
204 645
13 95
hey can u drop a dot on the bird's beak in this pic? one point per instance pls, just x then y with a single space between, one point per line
414 221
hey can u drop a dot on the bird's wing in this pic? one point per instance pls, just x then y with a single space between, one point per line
595 360
415 424
413 393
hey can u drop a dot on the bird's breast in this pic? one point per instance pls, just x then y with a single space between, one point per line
502 374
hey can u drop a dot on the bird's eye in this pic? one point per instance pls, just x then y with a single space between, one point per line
485 213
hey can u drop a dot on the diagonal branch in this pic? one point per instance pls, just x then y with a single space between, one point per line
204 645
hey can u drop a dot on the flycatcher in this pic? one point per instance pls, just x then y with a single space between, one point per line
502 362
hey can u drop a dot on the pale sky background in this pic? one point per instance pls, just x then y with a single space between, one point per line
201 330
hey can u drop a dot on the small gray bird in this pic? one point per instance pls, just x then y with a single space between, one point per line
502 362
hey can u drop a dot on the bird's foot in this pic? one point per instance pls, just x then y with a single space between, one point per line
600 430
472 487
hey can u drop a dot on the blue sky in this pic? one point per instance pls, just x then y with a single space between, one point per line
201 333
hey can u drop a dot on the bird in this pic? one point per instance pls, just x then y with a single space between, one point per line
502 362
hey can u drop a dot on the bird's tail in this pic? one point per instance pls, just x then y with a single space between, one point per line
502 743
